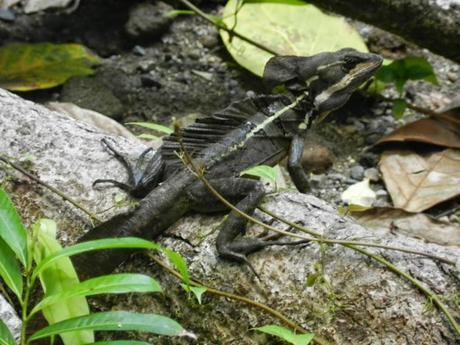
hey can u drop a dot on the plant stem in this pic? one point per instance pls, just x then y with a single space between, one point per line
431 295
239 298
221 26
319 238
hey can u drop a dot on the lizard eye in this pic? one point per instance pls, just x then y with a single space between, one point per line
350 62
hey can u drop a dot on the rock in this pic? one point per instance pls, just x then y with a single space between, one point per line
372 174
68 155
91 94
317 180
147 21
357 172
372 138
10 318
7 15
369 159
317 158
149 80
138 50
210 40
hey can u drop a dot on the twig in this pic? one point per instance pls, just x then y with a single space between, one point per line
430 294
92 216
235 297
319 238
225 28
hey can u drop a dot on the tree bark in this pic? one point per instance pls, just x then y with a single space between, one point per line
431 24
353 301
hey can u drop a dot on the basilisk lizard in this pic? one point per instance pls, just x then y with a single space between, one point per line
250 132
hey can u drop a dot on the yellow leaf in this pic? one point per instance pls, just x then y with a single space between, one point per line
25 67
288 27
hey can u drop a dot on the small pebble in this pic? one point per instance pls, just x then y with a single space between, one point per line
372 139
382 194
250 94
452 77
357 172
336 176
317 180
139 51
210 41
372 174
7 15
150 81
369 159
146 65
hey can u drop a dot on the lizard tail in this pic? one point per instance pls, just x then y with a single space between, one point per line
90 265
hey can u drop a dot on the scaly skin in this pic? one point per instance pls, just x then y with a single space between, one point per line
255 131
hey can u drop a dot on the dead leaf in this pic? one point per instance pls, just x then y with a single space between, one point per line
25 67
442 129
359 194
415 225
417 182
429 130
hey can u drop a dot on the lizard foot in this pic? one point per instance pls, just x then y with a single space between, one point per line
237 250
143 176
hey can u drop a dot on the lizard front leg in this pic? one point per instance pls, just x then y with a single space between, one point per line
245 194
298 175
142 176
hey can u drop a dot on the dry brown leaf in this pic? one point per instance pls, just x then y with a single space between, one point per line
416 182
430 130
415 225
442 128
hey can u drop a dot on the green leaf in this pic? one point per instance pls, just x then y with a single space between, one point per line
347 209
120 342
179 262
115 321
399 107
6 338
410 68
262 171
10 271
114 284
25 67
175 13
287 335
148 137
12 230
198 291
108 243
58 278
289 27
154 126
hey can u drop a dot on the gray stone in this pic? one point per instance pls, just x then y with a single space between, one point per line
138 50
357 172
7 15
369 159
147 21
68 155
372 138
10 318
91 94
372 174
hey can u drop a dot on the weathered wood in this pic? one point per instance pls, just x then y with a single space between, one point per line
428 23
357 302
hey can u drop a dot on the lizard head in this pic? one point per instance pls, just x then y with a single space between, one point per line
329 78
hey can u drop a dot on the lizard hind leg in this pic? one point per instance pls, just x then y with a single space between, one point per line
245 194
143 176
